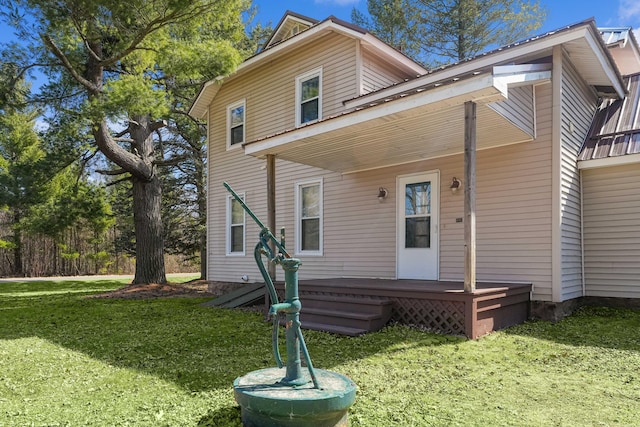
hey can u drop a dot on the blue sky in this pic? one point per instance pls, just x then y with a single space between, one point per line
560 13
612 13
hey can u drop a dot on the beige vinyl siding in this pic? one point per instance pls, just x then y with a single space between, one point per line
518 108
269 90
578 108
612 231
378 74
360 231
513 204
513 215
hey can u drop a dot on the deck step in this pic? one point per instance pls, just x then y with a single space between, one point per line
344 315
346 303
241 297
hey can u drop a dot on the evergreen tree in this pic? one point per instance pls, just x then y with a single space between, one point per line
440 31
22 181
124 69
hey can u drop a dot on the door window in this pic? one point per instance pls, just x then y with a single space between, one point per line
418 215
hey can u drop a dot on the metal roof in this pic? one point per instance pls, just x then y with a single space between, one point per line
616 126
616 35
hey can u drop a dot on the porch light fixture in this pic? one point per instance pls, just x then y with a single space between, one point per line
382 193
456 184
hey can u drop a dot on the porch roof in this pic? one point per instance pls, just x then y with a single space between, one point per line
426 123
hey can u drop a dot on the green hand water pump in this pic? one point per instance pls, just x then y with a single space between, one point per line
291 306
293 398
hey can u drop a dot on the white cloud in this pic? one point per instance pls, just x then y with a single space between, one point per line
629 11
338 2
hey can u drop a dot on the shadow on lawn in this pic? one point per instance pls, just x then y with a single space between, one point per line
227 416
602 327
176 339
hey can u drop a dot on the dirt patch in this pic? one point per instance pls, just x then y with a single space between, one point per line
194 288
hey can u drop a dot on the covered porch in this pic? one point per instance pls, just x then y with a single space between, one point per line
440 117
439 306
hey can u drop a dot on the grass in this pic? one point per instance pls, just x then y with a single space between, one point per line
72 361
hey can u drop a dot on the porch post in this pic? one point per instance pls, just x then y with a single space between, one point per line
469 196
271 207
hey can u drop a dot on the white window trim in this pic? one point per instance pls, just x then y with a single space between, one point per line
231 107
228 228
298 217
317 72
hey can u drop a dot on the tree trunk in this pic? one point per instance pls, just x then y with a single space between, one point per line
147 197
147 205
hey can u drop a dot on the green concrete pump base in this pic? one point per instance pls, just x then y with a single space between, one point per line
266 402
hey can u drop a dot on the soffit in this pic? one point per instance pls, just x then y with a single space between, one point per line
427 124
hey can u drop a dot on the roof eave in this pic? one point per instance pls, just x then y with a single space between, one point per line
207 92
609 161
586 29
386 51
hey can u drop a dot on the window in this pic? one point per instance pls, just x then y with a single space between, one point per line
235 226
235 123
309 97
417 209
309 218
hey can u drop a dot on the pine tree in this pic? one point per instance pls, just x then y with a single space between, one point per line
434 32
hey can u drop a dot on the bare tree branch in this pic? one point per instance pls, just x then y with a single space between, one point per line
158 125
172 161
110 172
48 41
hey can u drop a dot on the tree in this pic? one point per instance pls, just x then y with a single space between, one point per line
42 186
118 67
394 21
185 208
22 184
437 31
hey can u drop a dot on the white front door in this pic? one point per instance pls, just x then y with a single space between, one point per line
418 207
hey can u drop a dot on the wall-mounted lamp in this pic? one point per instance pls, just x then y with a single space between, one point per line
456 185
382 193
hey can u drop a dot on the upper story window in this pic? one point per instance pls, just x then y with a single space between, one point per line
236 123
309 97
309 217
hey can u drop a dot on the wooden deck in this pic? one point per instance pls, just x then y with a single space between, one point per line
441 306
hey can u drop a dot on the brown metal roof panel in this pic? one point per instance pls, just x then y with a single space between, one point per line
613 116
615 130
619 146
635 122
602 148
634 144
598 123
587 150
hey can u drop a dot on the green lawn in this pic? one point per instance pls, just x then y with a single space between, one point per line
66 360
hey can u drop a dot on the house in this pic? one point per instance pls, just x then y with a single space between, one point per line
485 174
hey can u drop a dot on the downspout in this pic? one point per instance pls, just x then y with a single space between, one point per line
556 184
584 281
